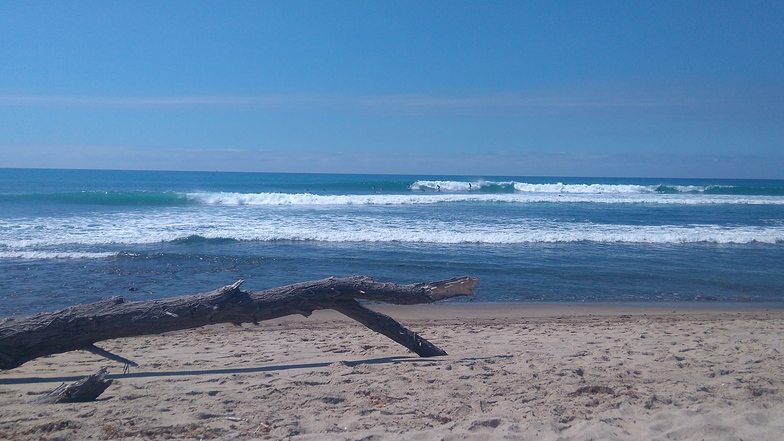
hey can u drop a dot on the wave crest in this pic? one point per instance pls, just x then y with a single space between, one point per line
585 195
484 186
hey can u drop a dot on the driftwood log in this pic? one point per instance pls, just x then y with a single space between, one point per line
86 389
80 327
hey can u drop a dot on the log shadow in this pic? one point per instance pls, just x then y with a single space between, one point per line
226 371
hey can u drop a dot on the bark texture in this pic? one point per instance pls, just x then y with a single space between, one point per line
80 327
86 389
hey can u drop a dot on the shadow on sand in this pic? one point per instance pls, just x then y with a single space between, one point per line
248 370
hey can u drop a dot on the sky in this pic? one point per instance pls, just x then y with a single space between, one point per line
519 88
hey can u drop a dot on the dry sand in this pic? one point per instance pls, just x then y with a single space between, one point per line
513 372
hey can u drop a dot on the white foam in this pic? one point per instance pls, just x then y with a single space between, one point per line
582 188
689 188
576 194
42 235
524 187
451 186
39 255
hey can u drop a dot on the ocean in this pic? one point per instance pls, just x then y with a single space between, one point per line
76 236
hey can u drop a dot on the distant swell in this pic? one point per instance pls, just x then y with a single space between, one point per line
431 192
746 191
120 198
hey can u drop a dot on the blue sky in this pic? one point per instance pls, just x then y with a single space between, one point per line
661 88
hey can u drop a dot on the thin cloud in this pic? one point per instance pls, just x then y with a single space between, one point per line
153 102
665 102
500 101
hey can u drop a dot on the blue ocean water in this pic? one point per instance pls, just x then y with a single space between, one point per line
74 236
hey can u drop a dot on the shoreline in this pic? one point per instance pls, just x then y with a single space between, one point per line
522 372
519 310
471 309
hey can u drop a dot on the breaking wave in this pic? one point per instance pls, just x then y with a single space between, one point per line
552 196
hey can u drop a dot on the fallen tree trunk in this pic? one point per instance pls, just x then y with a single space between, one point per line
80 327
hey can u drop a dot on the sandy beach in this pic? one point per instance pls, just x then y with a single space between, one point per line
513 372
